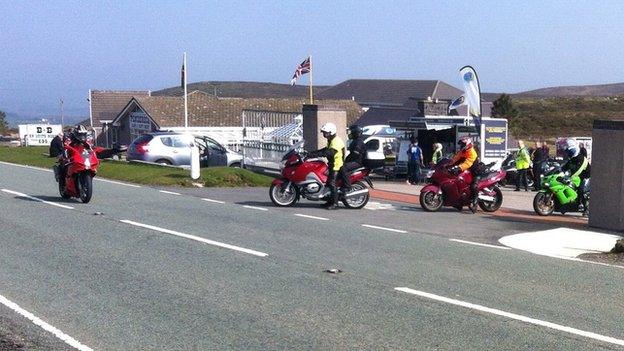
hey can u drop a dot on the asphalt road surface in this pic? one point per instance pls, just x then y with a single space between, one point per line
141 268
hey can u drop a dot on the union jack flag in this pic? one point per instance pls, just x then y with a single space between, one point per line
303 68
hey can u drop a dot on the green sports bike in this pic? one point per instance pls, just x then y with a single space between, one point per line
560 192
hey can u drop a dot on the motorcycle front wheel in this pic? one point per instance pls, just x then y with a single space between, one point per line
283 197
85 187
430 200
543 203
356 201
492 206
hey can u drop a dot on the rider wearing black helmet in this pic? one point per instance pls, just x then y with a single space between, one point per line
355 159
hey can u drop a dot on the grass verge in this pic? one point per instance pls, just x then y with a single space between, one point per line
144 173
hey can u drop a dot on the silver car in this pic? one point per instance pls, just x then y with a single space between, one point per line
175 149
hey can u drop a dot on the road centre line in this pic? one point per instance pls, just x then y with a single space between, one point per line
45 326
311 217
214 201
514 316
196 238
118 183
256 208
480 244
384 228
169 192
36 199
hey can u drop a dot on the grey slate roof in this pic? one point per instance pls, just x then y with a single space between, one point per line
389 92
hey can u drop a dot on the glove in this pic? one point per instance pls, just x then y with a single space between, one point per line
455 170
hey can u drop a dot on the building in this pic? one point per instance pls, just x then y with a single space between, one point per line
104 106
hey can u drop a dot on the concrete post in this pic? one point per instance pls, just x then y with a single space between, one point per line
606 202
314 116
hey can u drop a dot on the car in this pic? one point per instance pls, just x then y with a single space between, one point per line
170 148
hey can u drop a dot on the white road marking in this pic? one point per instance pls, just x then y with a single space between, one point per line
196 238
118 183
215 201
311 217
169 192
517 317
480 244
36 199
45 326
24 166
384 228
256 208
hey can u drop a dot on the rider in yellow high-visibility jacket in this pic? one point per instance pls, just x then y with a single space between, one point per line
334 153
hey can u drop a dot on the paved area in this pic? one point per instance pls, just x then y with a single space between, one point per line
222 269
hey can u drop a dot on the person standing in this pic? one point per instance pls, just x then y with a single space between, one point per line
437 154
539 158
414 161
523 162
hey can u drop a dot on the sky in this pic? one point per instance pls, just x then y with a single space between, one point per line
52 50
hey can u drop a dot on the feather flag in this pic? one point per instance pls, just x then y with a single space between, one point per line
472 93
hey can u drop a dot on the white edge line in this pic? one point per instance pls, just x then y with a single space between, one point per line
196 238
169 192
36 199
256 208
311 217
25 166
480 244
518 317
45 326
384 228
575 259
214 201
116 182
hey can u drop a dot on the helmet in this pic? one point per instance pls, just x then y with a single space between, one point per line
465 143
79 134
572 148
355 131
329 128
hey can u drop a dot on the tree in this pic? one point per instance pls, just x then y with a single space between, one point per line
504 107
4 127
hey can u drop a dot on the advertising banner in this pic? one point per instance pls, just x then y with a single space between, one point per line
495 138
38 134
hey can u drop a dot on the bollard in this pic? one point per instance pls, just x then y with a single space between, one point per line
194 162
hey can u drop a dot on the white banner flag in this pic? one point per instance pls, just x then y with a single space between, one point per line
472 93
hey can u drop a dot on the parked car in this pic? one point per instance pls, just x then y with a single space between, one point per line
171 148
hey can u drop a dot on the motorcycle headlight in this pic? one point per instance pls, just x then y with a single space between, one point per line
86 159
547 185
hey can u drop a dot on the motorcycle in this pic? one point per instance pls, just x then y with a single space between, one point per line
559 192
306 177
454 190
80 168
509 165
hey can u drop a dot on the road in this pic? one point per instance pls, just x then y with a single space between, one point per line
141 268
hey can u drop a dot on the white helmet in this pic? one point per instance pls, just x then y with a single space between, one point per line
329 128
572 148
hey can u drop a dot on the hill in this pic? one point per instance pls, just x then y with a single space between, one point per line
576 90
243 89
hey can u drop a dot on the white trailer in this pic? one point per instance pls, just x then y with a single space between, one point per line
38 134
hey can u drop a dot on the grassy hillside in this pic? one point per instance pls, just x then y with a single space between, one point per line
562 116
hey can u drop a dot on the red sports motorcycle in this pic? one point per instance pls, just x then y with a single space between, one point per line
451 190
81 167
306 178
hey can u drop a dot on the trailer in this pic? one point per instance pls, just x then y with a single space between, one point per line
490 141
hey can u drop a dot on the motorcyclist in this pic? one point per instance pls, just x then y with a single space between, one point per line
77 136
577 165
334 153
355 158
464 160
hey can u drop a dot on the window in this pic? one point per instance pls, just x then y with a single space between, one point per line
166 141
178 141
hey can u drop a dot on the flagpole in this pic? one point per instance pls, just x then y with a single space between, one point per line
185 98
310 82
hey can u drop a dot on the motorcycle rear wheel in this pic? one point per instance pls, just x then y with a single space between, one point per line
357 201
431 201
85 187
283 197
543 203
493 206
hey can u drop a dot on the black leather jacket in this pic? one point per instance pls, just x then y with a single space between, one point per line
357 151
575 164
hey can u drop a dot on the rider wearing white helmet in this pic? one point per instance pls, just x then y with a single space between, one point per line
577 165
334 153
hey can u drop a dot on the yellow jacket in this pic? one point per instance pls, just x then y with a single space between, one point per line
338 145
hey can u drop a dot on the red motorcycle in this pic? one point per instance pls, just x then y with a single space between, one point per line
80 168
454 190
306 178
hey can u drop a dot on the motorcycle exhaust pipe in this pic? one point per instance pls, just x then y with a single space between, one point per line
359 192
487 198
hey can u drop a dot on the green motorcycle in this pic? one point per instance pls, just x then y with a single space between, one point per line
559 193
